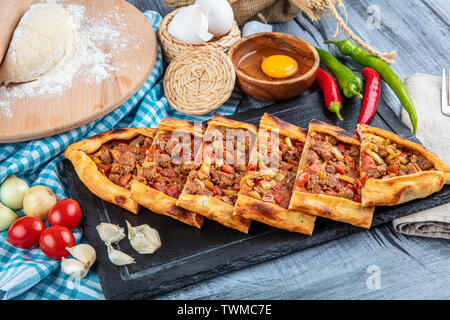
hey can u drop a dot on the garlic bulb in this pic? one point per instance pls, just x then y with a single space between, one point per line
7 217
190 25
143 238
12 192
74 268
84 253
110 233
119 258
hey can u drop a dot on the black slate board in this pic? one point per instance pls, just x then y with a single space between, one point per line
189 255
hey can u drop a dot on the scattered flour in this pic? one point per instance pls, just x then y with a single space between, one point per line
89 61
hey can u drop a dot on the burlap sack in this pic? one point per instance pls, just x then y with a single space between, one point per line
267 11
274 11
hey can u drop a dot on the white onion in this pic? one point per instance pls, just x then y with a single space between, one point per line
12 192
7 217
38 202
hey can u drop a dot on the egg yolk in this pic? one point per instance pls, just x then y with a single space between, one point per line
279 66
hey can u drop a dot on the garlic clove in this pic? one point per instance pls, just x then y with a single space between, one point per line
110 233
74 268
84 253
143 238
119 258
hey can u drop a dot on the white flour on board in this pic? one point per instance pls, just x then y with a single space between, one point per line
89 61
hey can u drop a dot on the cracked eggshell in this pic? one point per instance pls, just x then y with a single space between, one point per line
190 25
220 16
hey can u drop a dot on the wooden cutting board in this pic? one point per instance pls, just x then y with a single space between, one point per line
84 101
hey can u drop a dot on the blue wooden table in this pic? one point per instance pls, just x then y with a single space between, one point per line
373 264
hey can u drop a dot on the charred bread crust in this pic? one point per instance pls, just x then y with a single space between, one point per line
161 203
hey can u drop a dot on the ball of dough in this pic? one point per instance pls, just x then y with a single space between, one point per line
44 36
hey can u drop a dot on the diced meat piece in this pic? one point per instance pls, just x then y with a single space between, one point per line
331 181
169 173
382 151
161 159
227 169
216 191
330 169
149 173
125 179
322 150
311 157
374 171
354 151
346 193
173 191
161 140
128 159
105 156
121 169
221 178
114 178
170 145
410 168
313 184
137 141
289 153
423 163
282 198
123 148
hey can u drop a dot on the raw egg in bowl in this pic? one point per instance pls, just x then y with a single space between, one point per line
274 66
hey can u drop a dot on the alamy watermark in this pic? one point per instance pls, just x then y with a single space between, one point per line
374 19
373 282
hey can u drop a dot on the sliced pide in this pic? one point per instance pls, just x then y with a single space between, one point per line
328 182
212 190
266 189
167 165
395 170
108 162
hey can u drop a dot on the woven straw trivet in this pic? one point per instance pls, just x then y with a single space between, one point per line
172 47
199 81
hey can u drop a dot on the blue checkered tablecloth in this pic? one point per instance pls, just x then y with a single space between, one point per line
29 274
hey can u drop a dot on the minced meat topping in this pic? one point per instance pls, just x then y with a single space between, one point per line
332 168
120 160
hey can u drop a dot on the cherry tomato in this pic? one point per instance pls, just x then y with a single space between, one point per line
24 232
66 212
54 240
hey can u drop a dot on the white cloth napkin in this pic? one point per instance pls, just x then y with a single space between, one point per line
433 131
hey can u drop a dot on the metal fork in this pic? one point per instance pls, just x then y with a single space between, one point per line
445 107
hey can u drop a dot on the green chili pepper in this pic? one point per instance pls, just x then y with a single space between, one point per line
348 48
349 82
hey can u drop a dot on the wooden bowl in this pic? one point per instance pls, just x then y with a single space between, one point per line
248 53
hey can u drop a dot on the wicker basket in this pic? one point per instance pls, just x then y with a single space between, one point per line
172 47
199 80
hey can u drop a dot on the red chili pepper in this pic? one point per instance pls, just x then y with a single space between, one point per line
330 89
371 95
